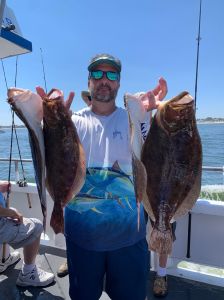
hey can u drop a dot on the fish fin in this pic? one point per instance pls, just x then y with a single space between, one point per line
91 171
120 202
57 218
116 166
96 210
89 192
161 242
128 203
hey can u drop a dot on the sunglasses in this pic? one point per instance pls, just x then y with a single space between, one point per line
113 76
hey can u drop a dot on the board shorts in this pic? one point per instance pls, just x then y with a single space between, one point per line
19 235
126 270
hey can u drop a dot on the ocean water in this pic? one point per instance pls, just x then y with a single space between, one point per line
212 136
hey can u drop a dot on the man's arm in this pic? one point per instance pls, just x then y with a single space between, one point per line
4 186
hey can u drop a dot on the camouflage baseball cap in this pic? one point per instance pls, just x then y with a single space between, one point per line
104 59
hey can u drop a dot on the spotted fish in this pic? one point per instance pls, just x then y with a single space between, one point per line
65 159
172 156
28 106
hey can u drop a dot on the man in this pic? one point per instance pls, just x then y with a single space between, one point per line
101 229
17 231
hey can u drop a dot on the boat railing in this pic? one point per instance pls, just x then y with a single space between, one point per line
16 162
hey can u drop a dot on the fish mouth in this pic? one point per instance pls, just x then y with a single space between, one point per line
52 106
54 94
177 113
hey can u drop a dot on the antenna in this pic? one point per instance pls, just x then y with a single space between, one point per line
197 60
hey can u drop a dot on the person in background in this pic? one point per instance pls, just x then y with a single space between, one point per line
19 232
9 258
101 228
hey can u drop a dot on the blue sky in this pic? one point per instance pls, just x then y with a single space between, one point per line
152 38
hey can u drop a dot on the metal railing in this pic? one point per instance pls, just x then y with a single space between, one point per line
17 161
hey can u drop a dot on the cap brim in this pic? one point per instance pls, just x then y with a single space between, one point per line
106 62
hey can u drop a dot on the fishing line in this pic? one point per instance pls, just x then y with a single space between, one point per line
3 69
23 182
44 74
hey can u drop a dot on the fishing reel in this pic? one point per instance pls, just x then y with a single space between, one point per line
22 183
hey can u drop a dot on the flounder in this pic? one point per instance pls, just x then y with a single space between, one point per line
172 156
65 158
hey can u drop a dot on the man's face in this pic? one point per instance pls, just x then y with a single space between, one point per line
103 90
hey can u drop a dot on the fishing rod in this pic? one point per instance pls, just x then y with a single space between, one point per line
43 68
197 58
195 103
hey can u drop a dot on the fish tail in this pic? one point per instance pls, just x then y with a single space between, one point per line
161 242
57 218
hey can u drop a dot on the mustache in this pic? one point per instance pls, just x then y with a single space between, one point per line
103 85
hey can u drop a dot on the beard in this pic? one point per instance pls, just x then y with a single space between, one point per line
104 93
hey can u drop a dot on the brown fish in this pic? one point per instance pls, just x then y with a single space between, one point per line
172 155
65 158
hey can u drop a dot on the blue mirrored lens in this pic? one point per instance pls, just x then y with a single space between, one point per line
96 74
112 75
99 74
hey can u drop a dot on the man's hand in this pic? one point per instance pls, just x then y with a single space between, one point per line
67 103
152 99
15 215
4 186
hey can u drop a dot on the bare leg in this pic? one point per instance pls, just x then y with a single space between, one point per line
160 287
30 252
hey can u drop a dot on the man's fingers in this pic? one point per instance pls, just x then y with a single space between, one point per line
163 88
41 92
68 102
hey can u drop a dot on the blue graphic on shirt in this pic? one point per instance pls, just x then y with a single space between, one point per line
103 216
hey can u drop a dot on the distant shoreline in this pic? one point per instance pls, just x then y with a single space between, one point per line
210 122
10 126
